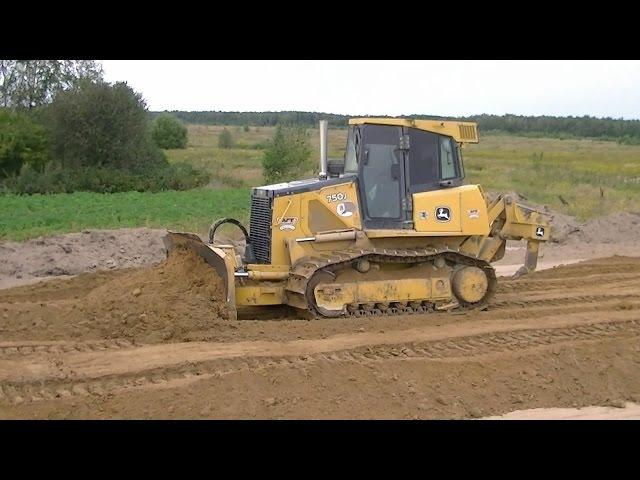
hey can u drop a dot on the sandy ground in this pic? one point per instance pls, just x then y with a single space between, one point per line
572 341
624 411
554 254
74 253
98 341
63 256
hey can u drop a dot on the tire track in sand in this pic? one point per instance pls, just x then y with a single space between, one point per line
17 392
31 347
579 303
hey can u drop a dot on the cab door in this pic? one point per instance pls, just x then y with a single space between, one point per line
431 172
422 161
382 178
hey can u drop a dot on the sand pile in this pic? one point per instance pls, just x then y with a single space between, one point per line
168 302
74 253
614 228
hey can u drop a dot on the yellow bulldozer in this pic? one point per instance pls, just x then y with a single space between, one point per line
389 229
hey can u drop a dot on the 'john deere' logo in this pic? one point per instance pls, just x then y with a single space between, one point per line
443 214
539 232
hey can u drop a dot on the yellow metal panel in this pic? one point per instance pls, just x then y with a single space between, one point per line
340 200
388 233
462 132
286 223
334 207
457 211
437 211
259 295
473 211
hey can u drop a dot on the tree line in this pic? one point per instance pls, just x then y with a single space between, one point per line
258 118
548 126
64 129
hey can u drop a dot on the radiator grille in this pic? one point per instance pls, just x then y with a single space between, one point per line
467 132
260 228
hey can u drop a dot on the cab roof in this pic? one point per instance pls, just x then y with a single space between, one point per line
462 132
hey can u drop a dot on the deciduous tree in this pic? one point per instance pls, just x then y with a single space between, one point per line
169 132
287 156
25 84
102 125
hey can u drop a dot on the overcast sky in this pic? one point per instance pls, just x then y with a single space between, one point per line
447 88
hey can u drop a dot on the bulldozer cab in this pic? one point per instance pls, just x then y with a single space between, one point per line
394 159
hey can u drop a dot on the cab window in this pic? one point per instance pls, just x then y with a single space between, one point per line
351 154
423 160
381 163
447 161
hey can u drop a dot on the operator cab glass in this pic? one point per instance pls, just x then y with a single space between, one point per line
351 155
392 163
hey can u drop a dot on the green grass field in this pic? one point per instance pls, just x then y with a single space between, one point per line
241 165
593 177
23 217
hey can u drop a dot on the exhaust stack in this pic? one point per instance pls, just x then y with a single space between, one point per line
323 149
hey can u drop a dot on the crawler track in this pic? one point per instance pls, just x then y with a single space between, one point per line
300 286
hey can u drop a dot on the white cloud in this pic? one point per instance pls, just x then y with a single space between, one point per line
447 88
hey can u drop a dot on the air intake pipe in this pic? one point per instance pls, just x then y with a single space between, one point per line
323 150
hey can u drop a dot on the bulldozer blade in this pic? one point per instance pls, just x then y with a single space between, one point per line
215 257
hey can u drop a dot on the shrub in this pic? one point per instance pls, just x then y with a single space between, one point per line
225 139
22 142
629 140
246 128
169 132
103 126
287 155
105 180
100 140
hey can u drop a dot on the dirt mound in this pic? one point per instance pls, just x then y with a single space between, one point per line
562 226
74 253
170 301
614 228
